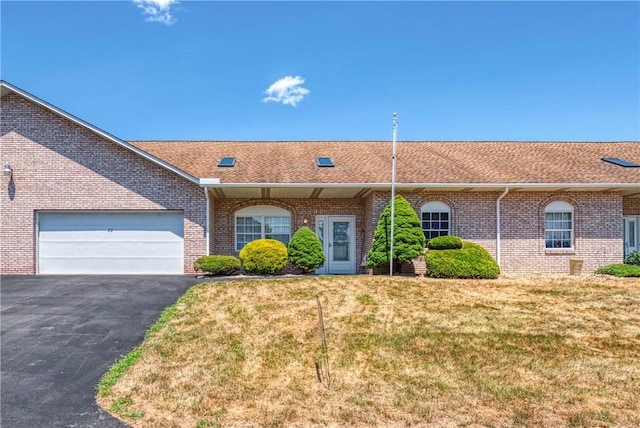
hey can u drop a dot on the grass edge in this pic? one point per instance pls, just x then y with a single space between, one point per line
118 369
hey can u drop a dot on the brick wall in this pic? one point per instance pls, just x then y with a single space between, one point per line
598 235
631 206
59 165
597 228
472 213
222 233
370 220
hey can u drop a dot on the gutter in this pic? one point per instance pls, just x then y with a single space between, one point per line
506 190
206 221
386 185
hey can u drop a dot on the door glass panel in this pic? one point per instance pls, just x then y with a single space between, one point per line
341 241
632 233
320 233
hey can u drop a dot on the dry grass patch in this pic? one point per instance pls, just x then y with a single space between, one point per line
402 351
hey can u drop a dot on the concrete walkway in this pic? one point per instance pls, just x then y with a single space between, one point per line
59 334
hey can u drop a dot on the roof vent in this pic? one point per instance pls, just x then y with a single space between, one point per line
621 162
325 162
227 163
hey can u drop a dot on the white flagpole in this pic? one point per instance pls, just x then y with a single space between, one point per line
393 191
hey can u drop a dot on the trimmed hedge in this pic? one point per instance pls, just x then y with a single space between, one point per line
217 265
305 250
264 256
471 261
445 243
621 270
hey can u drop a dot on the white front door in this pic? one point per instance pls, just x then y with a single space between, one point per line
337 234
630 235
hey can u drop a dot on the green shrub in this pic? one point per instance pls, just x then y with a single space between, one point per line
471 261
305 250
264 256
217 265
620 270
633 258
445 243
408 242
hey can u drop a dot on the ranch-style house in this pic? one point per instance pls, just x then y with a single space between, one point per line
78 200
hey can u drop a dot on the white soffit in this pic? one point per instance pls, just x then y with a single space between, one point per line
241 192
333 192
301 193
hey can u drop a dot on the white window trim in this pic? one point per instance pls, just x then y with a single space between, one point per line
258 211
559 207
436 207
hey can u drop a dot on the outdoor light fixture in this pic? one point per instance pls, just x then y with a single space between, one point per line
7 170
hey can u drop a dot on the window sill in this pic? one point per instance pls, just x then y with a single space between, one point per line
559 251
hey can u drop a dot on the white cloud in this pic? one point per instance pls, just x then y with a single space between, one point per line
286 91
157 10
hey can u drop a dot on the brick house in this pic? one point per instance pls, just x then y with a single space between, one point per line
76 199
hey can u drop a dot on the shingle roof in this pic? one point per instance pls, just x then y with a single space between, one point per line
361 162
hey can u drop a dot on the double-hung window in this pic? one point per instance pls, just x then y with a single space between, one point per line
262 221
558 225
436 219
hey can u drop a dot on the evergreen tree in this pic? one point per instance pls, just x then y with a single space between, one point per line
409 241
305 250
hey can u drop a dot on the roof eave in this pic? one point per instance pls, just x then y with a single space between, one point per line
218 183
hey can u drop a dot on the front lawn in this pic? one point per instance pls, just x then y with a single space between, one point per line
401 351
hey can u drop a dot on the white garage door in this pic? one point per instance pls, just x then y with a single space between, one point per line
110 243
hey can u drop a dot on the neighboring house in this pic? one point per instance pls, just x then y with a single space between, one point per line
76 199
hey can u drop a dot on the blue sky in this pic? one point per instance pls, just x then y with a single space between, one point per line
337 70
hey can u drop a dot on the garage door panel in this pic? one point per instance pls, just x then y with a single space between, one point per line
87 221
82 249
112 242
104 235
101 266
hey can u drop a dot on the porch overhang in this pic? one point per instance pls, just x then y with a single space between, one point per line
362 190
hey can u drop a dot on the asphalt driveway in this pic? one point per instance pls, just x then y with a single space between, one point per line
59 334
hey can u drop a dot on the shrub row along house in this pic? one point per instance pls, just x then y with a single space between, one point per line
76 199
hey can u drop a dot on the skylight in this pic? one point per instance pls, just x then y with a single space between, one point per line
227 162
324 162
621 162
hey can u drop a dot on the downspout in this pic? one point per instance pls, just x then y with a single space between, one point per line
506 190
206 224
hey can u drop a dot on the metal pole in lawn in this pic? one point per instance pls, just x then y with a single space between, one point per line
393 192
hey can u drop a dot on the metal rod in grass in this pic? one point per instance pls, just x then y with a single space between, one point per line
325 353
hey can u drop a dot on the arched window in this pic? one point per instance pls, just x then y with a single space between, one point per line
262 221
558 225
436 219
